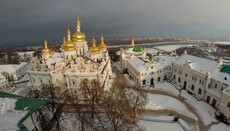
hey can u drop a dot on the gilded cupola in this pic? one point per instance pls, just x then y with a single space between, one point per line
78 36
132 41
102 45
68 45
46 50
94 50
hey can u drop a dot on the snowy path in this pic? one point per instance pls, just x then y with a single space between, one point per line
121 81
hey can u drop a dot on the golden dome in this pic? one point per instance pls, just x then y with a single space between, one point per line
121 49
102 46
68 45
94 50
78 36
46 50
132 41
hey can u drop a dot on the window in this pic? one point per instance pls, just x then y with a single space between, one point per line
152 67
144 82
186 74
174 77
215 85
73 83
193 87
195 78
202 82
199 91
179 79
222 88
229 104
159 79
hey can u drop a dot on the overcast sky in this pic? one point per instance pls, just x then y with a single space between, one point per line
31 20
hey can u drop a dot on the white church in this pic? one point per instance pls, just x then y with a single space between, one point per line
75 63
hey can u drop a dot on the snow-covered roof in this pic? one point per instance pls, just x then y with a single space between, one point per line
11 67
199 64
58 55
222 77
15 110
2 79
214 92
138 64
27 53
129 50
164 61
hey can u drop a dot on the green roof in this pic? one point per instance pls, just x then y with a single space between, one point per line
225 69
24 104
136 49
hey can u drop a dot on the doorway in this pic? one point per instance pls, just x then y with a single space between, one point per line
208 99
152 81
213 102
185 84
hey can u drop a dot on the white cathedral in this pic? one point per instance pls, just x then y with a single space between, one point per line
75 63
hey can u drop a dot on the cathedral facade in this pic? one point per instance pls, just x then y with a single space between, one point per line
74 63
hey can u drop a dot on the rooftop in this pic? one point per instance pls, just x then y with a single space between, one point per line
11 67
138 64
199 64
15 110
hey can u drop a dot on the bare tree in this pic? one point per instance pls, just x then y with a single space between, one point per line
136 99
49 116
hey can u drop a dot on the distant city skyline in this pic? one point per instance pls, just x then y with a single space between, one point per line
23 20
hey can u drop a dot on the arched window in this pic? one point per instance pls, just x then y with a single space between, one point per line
215 85
222 88
179 79
159 79
144 82
199 91
174 77
73 83
193 87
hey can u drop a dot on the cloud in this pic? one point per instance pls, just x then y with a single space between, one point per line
27 20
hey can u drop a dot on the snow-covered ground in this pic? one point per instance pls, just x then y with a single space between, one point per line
151 50
9 117
206 112
220 127
158 126
167 87
170 47
160 102
223 42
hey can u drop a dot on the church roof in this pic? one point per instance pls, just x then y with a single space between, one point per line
136 49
